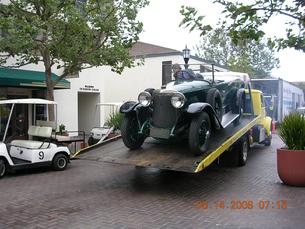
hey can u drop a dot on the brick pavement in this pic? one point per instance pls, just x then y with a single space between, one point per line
100 195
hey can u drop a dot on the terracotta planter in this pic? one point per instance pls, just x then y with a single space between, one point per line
291 166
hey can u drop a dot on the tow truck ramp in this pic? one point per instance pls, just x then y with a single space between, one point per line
169 155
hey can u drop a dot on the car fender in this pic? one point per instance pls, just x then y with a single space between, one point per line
196 108
62 149
129 106
4 153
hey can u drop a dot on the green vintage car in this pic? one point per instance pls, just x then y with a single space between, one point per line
184 109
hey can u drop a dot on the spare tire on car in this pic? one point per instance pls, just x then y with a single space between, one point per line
214 99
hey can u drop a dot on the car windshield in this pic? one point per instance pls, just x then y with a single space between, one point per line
184 84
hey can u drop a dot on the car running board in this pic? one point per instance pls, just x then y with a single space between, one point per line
228 118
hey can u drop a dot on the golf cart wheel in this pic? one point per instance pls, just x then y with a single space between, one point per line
91 141
199 134
2 167
60 162
130 132
214 99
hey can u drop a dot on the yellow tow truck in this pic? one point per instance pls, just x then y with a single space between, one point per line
229 146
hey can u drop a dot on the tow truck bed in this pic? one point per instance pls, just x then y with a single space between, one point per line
164 155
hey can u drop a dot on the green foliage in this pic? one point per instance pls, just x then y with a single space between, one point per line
292 131
245 20
69 35
62 128
115 119
253 57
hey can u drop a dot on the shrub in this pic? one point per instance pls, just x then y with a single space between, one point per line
292 131
115 119
62 128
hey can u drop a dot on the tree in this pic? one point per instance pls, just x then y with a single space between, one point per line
254 57
245 20
69 35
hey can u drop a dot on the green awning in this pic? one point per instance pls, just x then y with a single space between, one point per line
24 78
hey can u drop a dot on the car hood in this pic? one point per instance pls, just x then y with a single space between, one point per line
185 86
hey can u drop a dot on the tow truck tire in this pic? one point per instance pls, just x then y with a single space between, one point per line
60 162
237 155
199 134
269 138
2 167
268 141
130 132
243 152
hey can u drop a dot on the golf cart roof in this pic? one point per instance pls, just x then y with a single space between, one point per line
27 101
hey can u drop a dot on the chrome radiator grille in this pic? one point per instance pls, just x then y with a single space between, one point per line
164 114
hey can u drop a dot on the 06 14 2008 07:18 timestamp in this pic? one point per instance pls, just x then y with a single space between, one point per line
242 204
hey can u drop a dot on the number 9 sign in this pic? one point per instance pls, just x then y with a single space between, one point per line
41 155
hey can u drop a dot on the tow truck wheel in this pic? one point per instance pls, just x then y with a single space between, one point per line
2 167
60 162
269 138
199 134
243 152
130 132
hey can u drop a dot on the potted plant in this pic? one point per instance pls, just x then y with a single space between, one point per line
291 159
62 129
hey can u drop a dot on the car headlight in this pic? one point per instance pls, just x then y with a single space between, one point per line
144 98
178 100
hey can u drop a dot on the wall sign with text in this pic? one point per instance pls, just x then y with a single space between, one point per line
89 88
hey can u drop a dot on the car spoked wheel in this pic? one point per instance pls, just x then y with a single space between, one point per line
60 162
130 132
2 168
200 133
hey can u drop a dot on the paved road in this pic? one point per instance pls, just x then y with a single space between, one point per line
99 195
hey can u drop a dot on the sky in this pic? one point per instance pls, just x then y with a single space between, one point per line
161 20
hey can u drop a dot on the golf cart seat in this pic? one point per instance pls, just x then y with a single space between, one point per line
35 131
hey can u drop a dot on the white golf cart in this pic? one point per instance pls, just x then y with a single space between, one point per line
99 134
20 153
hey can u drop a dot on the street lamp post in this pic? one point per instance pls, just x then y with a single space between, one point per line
186 56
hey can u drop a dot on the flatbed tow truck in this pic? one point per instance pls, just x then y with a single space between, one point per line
228 146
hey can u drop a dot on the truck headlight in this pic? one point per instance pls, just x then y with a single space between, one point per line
144 98
178 100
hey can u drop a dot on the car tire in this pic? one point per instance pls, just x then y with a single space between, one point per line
237 108
3 168
214 99
60 162
199 134
129 131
